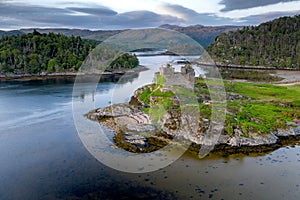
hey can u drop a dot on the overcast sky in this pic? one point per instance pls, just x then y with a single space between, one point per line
122 14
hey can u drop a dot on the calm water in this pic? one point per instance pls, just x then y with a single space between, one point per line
42 157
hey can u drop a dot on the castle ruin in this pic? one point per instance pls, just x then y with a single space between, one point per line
186 77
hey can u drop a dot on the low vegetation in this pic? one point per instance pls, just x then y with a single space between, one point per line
266 107
251 108
250 75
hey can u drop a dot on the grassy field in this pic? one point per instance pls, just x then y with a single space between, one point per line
270 107
251 108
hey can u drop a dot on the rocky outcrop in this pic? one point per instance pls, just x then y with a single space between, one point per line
136 132
293 131
132 126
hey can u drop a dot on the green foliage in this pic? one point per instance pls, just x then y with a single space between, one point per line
160 105
159 93
157 112
267 92
257 109
154 92
251 75
160 80
125 61
271 108
35 53
275 44
260 117
145 96
205 111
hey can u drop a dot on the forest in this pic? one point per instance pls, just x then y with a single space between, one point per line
273 44
36 53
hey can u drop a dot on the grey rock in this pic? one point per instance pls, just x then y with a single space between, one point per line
291 124
141 128
292 132
136 140
224 139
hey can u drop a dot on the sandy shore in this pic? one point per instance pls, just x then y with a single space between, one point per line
289 77
288 84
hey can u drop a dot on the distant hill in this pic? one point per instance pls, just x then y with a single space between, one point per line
99 35
204 35
9 33
273 44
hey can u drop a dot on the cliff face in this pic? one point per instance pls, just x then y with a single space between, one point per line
274 44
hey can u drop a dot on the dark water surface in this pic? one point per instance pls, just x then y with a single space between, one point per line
42 157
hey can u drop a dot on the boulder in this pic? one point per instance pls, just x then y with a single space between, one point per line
141 128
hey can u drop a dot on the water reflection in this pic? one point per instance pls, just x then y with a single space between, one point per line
41 156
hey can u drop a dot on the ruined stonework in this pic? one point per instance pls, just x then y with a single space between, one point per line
184 78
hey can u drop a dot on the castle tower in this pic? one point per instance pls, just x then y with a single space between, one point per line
188 72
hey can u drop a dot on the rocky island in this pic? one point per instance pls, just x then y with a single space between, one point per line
258 118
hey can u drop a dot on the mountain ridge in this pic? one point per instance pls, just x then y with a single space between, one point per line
202 34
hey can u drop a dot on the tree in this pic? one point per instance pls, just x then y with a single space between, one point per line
275 43
36 53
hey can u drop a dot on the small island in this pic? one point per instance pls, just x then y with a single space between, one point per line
260 117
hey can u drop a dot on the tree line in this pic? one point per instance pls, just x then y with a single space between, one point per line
275 44
36 53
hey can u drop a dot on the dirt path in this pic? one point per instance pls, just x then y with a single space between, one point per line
289 77
288 84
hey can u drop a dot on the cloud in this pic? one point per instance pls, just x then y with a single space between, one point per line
24 15
192 17
101 11
144 19
257 19
87 15
244 4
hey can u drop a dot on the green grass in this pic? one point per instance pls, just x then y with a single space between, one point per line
250 75
204 111
270 107
258 117
145 95
154 92
160 80
162 102
156 113
267 92
158 93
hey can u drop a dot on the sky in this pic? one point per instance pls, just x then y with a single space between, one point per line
124 14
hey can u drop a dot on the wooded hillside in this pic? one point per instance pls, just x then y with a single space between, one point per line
275 44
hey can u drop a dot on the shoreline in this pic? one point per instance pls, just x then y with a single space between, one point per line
241 67
226 145
29 77
283 73
133 119
129 113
